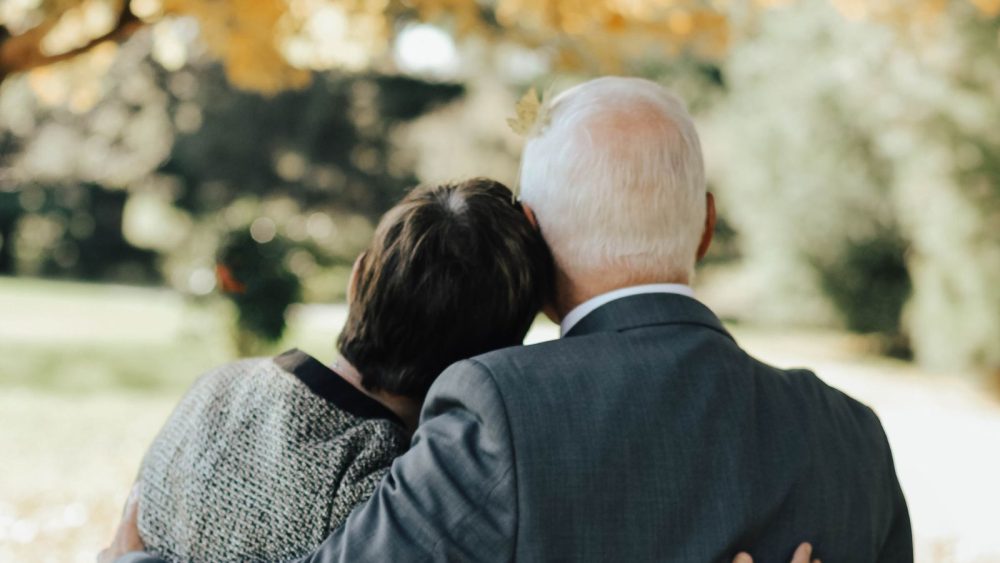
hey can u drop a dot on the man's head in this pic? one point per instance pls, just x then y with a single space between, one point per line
617 181
453 271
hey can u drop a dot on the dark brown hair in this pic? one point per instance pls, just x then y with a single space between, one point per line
454 271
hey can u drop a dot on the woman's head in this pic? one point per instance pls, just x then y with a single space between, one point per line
454 270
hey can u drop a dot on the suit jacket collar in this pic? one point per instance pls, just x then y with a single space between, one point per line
647 310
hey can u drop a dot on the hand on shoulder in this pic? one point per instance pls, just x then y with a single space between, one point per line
126 538
802 555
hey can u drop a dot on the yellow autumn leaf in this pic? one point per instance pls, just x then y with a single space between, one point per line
527 109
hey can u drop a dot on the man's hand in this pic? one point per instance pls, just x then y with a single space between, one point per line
802 555
127 537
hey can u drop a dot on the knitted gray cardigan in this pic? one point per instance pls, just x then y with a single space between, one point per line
261 459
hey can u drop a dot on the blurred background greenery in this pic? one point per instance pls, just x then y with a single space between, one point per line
179 178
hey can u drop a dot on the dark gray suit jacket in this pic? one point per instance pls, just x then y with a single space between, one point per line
646 434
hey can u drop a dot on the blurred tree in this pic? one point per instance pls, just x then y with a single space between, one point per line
328 145
70 231
270 45
92 245
186 157
868 284
880 167
253 274
943 140
10 212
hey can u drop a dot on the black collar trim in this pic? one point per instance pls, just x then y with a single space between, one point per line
327 384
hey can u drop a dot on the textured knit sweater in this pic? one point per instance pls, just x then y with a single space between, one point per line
261 459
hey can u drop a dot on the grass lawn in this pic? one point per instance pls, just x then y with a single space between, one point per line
79 338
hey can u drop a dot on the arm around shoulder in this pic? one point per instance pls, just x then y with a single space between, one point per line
452 496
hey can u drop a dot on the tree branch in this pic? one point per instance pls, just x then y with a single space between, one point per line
21 53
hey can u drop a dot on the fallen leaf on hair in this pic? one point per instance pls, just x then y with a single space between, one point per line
527 108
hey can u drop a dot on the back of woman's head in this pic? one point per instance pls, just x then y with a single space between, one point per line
454 270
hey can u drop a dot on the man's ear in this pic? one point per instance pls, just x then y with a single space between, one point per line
530 214
548 309
706 235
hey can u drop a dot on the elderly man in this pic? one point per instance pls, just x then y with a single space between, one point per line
645 433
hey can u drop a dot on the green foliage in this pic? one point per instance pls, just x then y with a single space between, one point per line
142 187
868 284
254 276
325 146
73 231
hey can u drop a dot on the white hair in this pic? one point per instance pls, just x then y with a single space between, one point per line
617 181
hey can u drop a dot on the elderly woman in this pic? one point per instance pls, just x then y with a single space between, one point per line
263 458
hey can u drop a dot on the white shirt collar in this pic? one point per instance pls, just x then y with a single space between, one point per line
587 307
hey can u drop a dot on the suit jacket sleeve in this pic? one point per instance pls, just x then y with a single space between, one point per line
452 495
898 546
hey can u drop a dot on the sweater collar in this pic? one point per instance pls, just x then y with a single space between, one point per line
327 384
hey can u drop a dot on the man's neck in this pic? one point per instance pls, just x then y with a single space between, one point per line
407 409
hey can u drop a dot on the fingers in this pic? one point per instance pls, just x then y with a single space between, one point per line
803 553
127 537
131 510
128 531
131 503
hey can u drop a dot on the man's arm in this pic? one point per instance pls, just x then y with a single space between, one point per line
898 546
452 496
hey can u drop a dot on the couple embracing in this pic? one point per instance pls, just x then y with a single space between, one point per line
643 434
